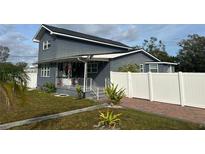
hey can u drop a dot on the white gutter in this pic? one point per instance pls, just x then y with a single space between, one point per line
168 63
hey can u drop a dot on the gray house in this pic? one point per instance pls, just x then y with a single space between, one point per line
67 58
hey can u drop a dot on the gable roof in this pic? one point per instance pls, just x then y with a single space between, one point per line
116 55
78 35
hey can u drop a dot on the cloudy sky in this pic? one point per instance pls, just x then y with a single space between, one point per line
19 37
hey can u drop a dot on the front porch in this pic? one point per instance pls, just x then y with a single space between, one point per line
69 74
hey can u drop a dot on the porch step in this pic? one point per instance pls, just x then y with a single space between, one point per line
89 94
101 94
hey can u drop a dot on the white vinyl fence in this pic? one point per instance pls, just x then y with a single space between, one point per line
185 89
32 82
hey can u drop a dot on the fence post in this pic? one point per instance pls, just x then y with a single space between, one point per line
91 83
98 94
181 88
111 74
129 83
150 86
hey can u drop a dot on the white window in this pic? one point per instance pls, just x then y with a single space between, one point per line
153 67
141 68
46 45
45 71
92 67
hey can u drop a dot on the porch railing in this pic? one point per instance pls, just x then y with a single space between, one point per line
73 82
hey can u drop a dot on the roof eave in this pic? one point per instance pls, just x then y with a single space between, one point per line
161 62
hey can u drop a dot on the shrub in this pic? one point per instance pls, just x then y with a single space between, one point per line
129 68
108 120
113 94
49 87
79 92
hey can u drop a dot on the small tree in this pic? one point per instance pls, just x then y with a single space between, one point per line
4 53
129 68
113 94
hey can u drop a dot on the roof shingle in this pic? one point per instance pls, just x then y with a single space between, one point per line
82 35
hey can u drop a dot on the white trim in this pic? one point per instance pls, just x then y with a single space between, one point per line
116 55
35 40
80 38
111 55
169 63
47 29
150 55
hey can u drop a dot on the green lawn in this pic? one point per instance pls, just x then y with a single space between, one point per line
39 104
130 119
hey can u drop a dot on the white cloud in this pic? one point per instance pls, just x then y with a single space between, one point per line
122 33
16 42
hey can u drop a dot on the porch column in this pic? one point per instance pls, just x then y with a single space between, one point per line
85 77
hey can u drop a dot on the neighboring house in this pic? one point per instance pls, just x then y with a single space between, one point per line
63 55
32 74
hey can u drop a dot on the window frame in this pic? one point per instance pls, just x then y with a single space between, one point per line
91 68
150 68
46 45
45 71
142 68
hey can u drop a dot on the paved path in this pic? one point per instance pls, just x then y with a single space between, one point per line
48 117
186 113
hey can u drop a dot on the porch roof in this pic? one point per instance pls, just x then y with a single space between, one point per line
116 55
98 57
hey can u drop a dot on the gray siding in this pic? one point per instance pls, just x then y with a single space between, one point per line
70 47
42 80
65 47
49 53
103 72
136 58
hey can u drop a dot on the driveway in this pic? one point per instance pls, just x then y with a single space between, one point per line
196 115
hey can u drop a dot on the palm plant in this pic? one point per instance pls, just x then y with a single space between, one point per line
79 92
113 94
13 82
108 120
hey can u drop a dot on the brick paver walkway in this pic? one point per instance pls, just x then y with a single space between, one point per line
192 114
48 117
